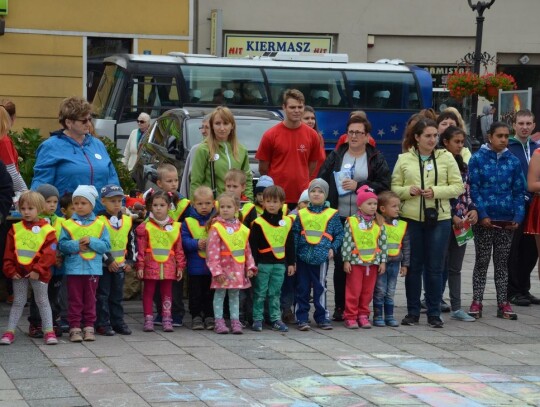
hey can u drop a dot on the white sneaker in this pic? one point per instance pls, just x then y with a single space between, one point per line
461 315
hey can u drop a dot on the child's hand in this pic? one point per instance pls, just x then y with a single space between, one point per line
179 274
251 272
140 274
33 275
347 267
113 267
403 271
330 254
18 277
59 260
382 268
201 244
128 268
83 243
291 270
220 279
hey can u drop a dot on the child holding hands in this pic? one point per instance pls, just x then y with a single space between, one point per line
229 259
364 257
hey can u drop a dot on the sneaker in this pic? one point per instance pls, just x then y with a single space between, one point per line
158 320
325 325
105 331
288 317
338 315
50 338
389 320
350 324
279 326
57 330
505 311
534 300
167 325
257 326
177 321
89 334
197 324
75 335
7 338
461 315
221 327
122 329
378 321
520 300
410 320
35 331
363 322
236 327
475 310
149 322
435 321
445 307
303 326
209 323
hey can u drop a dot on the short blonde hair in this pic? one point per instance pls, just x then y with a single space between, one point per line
33 198
202 191
237 175
165 169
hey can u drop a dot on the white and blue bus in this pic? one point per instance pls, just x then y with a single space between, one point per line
388 91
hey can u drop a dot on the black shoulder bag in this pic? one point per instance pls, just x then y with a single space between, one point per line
431 215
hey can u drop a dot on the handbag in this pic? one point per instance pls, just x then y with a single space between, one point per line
431 215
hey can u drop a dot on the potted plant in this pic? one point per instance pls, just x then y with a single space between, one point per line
463 84
494 82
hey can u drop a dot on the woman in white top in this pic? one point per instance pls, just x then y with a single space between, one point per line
132 146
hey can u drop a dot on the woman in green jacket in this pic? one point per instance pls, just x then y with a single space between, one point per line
222 151
426 178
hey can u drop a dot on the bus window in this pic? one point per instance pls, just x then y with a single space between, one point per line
321 88
382 90
150 94
110 88
225 85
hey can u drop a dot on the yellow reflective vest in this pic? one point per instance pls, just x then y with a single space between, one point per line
119 237
76 232
314 224
161 241
365 240
236 241
181 207
28 243
197 231
275 236
394 236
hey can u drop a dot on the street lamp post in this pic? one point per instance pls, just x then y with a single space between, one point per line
479 7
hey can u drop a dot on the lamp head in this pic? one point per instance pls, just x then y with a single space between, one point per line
480 5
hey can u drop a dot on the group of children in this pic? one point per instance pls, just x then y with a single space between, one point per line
231 249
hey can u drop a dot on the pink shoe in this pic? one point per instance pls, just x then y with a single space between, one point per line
7 338
220 327
476 309
148 323
167 325
236 327
350 324
363 321
50 338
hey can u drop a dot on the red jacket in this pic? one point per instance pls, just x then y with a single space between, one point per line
41 264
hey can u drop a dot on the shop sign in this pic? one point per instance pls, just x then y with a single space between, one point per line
238 45
440 73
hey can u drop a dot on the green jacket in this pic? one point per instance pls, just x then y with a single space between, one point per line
407 173
200 171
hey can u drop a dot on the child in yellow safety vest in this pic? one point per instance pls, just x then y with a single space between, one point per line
116 263
272 244
229 258
398 260
30 254
194 239
364 254
83 241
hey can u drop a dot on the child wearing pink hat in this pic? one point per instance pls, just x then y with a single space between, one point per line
364 252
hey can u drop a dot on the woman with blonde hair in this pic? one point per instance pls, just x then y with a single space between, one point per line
219 153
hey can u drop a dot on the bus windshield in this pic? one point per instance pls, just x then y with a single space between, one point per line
106 101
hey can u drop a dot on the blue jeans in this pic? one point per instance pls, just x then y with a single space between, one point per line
385 288
109 296
428 248
308 275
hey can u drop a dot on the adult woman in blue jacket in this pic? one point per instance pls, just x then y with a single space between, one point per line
71 157
497 188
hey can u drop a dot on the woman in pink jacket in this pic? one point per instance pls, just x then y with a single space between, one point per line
229 259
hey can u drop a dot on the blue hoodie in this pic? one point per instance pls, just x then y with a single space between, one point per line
497 185
66 164
196 265
519 149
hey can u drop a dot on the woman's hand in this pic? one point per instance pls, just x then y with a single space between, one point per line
349 185
472 217
414 190
457 221
428 193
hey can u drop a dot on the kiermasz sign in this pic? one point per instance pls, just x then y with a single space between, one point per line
240 45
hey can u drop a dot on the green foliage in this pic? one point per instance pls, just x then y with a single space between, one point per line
27 142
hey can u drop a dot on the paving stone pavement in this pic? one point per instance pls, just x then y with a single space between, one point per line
490 362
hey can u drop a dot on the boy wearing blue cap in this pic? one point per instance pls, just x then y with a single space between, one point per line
116 262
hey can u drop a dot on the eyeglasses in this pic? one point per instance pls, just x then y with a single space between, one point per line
204 127
356 133
84 121
141 121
